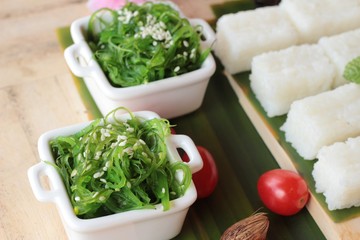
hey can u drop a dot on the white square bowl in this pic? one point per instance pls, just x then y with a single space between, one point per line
136 224
169 97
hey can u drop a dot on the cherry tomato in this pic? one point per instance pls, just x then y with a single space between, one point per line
206 179
282 191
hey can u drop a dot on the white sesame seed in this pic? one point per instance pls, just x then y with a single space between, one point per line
163 190
162 24
77 198
126 15
186 44
121 137
154 29
154 43
73 173
88 167
130 129
98 174
142 142
95 194
128 184
168 35
107 133
123 143
102 198
105 169
97 155
129 151
176 69
104 134
103 180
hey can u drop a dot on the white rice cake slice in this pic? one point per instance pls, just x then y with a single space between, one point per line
341 49
323 119
336 174
318 18
279 78
243 35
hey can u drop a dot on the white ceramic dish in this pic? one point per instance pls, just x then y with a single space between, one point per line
170 97
137 224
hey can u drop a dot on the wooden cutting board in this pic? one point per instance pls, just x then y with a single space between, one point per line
343 224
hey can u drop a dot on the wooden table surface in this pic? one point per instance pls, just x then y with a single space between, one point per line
37 93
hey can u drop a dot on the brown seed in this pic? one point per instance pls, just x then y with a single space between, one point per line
254 227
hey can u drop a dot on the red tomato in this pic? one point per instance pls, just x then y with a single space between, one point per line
283 192
206 179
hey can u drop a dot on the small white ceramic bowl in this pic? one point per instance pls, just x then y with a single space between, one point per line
170 97
136 224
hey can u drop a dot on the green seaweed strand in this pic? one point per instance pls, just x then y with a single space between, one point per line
139 44
116 165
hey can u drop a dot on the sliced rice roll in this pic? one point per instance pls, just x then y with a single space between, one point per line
341 49
336 174
281 77
317 18
323 119
243 35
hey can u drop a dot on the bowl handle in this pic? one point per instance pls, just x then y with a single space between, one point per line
41 192
184 142
79 59
208 32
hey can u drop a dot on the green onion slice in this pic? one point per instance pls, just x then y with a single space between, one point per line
352 70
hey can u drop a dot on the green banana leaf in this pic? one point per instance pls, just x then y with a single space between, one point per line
222 126
303 167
